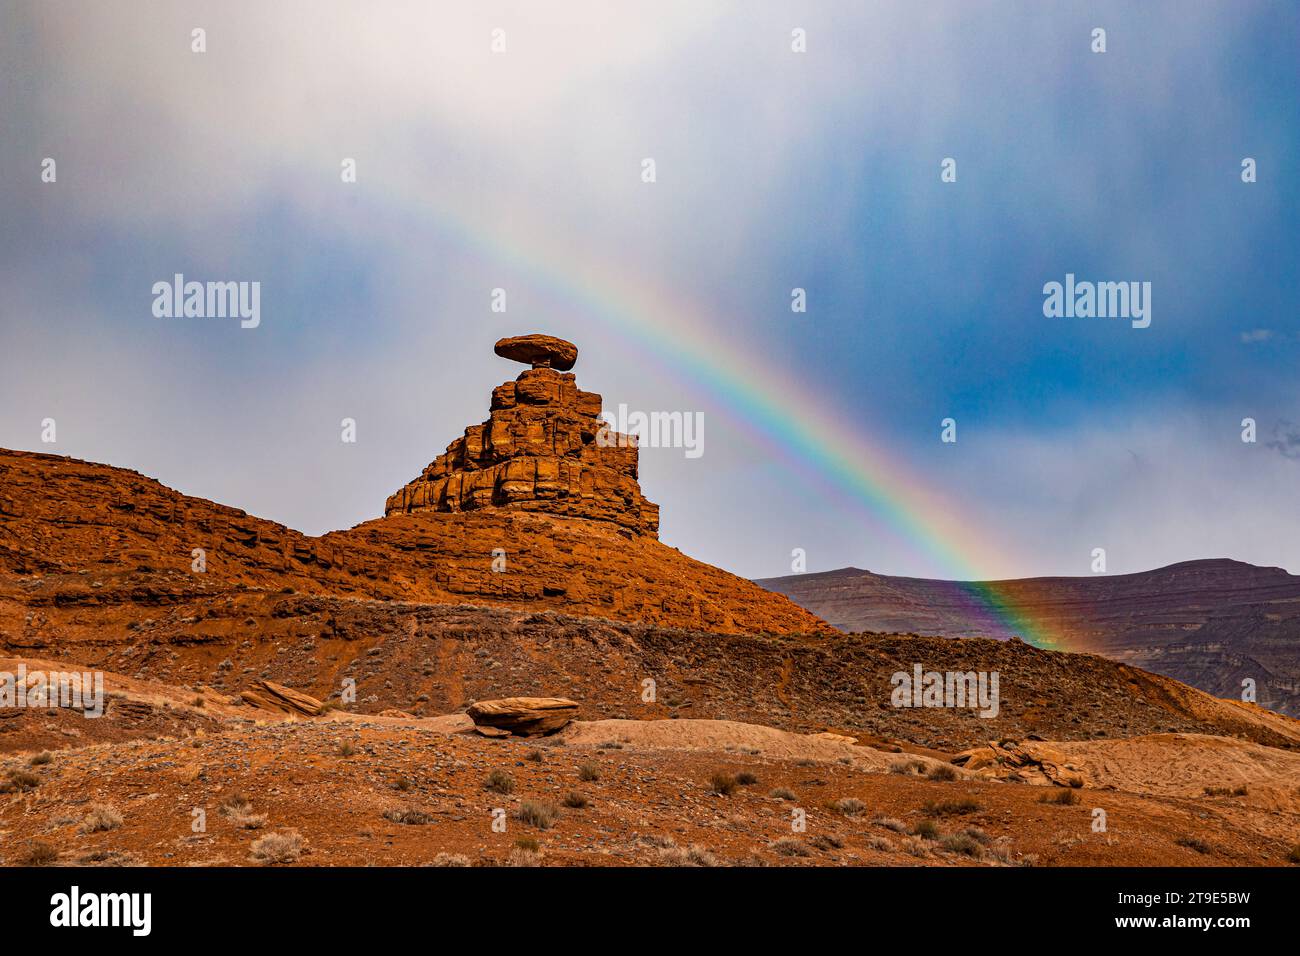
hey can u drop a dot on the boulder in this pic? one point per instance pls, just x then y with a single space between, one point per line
523 716
539 351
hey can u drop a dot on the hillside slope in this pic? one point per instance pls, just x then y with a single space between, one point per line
1207 623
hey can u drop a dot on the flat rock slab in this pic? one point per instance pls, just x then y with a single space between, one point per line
539 351
523 716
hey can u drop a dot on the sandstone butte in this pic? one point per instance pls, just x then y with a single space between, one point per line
531 484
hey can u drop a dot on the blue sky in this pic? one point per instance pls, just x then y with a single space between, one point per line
818 170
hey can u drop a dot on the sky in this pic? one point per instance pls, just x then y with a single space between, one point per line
523 169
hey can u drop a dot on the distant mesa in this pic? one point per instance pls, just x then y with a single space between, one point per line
539 351
537 451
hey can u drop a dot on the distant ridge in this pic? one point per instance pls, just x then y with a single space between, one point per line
1210 623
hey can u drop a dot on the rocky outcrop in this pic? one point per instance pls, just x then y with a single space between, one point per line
522 716
1023 762
543 449
267 695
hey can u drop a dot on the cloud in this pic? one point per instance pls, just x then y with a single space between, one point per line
1285 440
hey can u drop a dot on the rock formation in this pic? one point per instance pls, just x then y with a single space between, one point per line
543 448
522 716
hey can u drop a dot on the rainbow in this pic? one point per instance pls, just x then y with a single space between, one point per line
777 411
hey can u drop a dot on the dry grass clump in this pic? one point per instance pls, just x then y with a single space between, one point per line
964 844
37 853
449 859
588 773
849 806
41 759
783 793
102 817
576 801
789 846
926 830
1195 843
499 781
539 814
941 771
723 784
283 846
1065 798
235 805
945 808
890 823
409 816
20 781
526 855
826 841
746 779
693 855
908 767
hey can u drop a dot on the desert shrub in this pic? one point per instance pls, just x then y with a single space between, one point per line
975 833
588 772
347 749
408 816
944 808
889 823
527 843
942 771
1194 843
907 767
849 806
916 846
41 759
1065 798
20 781
251 821
693 855
37 853
499 781
879 843
235 805
723 784
783 793
746 779
964 844
926 830
283 846
538 814
102 817
576 801
519 857
826 841
789 846
449 859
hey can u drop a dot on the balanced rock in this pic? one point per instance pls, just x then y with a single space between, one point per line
523 716
544 448
539 351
